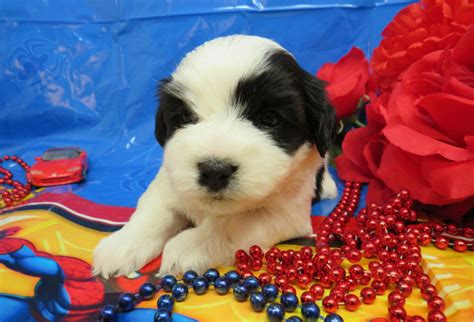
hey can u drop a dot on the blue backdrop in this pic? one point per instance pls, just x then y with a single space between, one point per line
84 73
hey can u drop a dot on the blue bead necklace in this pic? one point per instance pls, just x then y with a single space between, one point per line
262 298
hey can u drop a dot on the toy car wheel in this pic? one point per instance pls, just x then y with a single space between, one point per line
84 173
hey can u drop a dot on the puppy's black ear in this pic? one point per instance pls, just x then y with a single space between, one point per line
161 131
320 114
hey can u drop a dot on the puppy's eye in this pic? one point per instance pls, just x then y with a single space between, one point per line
270 119
186 117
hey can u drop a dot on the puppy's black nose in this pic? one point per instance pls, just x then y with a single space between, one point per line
215 174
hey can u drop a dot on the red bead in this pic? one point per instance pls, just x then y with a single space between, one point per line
307 297
417 318
366 277
351 302
436 316
264 279
352 283
246 274
337 294
378 274
278 270
256 264
354 256
336 256
397 313
425 239
243 267
379 287
281 281
395 298
303 281
255 251
272 254
288 289
405 289
367 295
330 305
343 286
436 303
422 280
317 291
284 256
241 256
460 246
428 291
325 281
337 274
356 271
307 252
441 242
292 274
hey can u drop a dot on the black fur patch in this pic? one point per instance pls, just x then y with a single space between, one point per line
173 113
319 184
298 98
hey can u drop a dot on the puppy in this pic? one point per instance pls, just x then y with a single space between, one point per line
245 131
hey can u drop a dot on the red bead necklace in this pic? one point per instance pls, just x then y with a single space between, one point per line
19 191
389 235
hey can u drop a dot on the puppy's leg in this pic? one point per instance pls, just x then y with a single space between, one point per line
143 237
325 186
198 248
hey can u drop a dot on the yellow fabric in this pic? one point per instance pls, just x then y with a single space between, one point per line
451 272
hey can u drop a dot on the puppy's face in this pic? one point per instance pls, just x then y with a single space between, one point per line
235 118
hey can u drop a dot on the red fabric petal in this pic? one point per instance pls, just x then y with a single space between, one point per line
445 110
416 143
463 53
401 170
454 180
347 81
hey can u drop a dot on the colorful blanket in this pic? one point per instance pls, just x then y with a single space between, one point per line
46 247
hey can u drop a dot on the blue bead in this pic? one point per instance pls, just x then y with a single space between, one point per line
294 318
211 274
166 302
289 302
310 311
189 277
241 292
270 291
179 292
222 286
167 282
127 302
333 317
162 315
252 283
275 312
109 314
232 276
147 290
258 301
200 285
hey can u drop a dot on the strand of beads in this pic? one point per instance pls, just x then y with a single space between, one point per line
388 234
262 296
19 190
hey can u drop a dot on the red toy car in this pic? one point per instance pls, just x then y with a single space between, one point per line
59 166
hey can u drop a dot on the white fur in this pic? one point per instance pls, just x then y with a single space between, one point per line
270 200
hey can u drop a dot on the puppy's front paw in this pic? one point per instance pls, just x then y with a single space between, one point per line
122 253
191 250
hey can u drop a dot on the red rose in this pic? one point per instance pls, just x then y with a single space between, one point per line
348 81
421 136
417 30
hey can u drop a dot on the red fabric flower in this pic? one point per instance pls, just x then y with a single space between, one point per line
421 136
417 30
348 81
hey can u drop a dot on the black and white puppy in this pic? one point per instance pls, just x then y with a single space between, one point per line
245 131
